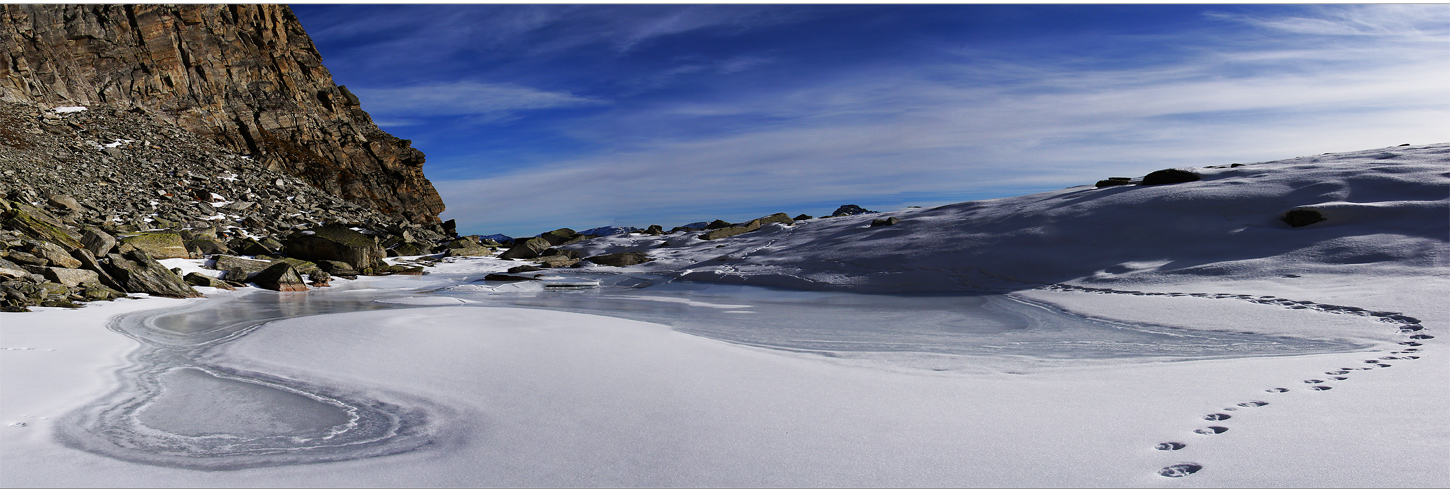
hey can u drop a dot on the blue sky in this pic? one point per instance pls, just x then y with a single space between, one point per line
535 117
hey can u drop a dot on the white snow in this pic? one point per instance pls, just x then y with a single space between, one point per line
537 396
69 109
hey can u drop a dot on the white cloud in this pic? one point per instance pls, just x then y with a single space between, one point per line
973 129
487 101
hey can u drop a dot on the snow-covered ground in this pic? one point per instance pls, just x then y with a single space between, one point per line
1276 356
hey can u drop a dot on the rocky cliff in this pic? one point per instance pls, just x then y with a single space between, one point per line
244 76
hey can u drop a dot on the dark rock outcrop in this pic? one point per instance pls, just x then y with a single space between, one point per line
626 258
246 76
845 210
1169 176
885 221
1301 217
1115 181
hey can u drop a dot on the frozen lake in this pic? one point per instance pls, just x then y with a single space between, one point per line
184 401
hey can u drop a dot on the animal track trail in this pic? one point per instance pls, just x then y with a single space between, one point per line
1408 326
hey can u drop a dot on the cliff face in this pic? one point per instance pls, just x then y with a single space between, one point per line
246 76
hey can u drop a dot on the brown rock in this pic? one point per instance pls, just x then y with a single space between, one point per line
246 76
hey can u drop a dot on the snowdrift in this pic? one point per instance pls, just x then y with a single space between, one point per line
1386 212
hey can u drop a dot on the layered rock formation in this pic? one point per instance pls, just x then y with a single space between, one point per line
244 76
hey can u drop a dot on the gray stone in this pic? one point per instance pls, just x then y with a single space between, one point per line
160 245
63 201
725 232
556 261
98 242
529 248
228 263
884 221
281 276
200 280
136 271
57 256
620 259
334 242
845 210
72 277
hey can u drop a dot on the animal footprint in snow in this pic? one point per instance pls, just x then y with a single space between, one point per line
1211 430
1320 388
1170 446
1250 404
1277 390
1336 373
1217 416
1339 378
1312 381
1421 337
1180 470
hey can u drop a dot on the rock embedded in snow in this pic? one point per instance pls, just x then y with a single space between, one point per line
1169 176
529 248
1114 182
1301 217
845 210
885 221
626 258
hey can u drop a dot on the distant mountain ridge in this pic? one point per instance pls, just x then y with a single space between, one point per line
246 76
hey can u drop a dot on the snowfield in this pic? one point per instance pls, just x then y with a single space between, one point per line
1130 336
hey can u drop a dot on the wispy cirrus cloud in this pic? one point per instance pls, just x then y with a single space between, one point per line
482 101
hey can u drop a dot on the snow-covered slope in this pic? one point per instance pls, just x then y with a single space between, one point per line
1387 212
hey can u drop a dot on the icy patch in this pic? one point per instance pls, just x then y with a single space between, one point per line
424 301
69 109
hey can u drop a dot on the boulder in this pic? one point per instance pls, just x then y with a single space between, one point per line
654 230
559 236
845 210
281 276
72 277
1114 182
530 248
11 270
319 279
98 242
64 202
803 217
100 293
303 266
250 247
1169 176
717 223
731 231
136 271
556 261
24 258
89 262
26 223
450 228
335 242
884 221
620 259
199 280
524 268
465 247
56 255
208 246
228 263
337 268
1301 217
776 218
160 245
